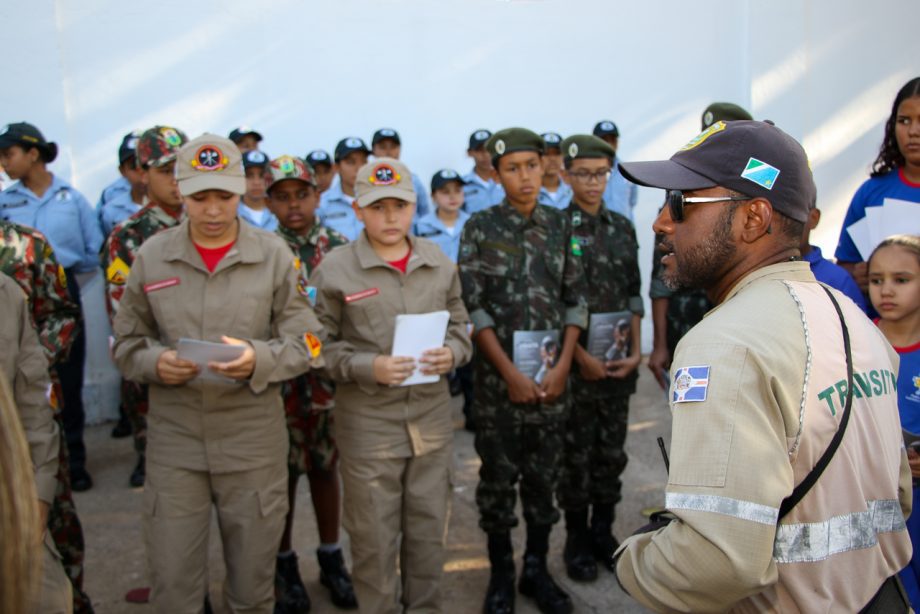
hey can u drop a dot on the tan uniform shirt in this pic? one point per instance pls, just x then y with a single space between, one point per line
358 298
251 295
750 393
26 369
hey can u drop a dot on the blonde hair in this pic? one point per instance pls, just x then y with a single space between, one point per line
909 242
19 530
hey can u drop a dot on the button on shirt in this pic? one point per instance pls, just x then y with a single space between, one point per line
621 194
448 239
479 194
335 212
63 215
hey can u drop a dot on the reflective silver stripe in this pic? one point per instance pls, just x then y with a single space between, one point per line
816 541
736 508
798 433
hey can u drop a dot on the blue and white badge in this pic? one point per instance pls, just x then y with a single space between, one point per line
690 384
760 173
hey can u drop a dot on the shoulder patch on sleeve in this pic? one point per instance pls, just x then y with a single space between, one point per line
690 384
117 272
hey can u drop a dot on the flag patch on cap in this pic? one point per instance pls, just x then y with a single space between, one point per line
690 384
760 173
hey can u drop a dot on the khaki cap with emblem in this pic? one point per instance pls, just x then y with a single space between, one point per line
511 140
210 162
383 178
586 146
290 167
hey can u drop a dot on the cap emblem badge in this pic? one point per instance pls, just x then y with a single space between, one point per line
500 147
209 158
705 134
384 174
171 137
573 150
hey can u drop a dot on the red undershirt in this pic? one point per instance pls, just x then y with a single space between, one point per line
213 256
401 264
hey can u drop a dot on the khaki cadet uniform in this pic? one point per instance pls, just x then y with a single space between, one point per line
394 441
217 443
26 369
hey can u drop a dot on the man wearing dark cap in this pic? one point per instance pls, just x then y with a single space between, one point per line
554 192
601 383
321 163
116 204
245 138
386 143
620 195
778 375
521 272
481 190
335 210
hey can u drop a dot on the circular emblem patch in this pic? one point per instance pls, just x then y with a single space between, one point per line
353 142
209 158
683 382
607 126
256 156
171 137
387 132
551 138
448 174
384 174
319 155
132 143
482 135
287 165
573 150
707 118
499 147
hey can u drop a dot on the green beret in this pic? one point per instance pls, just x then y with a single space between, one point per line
723 112
511 140
586 146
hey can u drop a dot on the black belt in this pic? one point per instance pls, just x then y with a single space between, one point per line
890 599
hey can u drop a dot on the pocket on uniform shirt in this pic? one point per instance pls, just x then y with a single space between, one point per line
367 317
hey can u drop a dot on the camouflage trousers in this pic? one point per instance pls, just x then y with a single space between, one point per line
594 456
135 402
308 403
517 443
66 530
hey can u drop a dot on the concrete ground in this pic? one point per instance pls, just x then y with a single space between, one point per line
115 562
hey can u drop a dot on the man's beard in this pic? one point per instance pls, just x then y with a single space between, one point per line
701 266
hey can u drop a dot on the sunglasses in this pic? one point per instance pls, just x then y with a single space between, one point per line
677 201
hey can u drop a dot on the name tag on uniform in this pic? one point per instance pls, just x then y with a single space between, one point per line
357 296
690 384
159 285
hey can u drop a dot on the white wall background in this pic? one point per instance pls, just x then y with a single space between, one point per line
307 73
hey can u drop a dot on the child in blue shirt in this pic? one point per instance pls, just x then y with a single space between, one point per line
445 223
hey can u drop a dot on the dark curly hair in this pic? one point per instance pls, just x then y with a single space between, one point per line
889 156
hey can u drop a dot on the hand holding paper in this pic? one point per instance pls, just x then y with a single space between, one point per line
420 337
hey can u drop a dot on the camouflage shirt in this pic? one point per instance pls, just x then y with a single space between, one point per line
310 249
26 256
121 248
610 258
521 273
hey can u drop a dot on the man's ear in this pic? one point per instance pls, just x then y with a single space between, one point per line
758 219
814 216
359 212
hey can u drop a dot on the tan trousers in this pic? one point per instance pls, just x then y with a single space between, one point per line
386 499
251 506
55 591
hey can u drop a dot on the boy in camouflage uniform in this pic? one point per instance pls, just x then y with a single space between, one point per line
293 196
520 270
156 158
27 257
596 429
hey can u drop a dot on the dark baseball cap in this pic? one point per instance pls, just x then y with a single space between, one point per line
444 176
27 135
588 146
751 157
511 140
237 134
552 140
606 128
318 156
128 147
478 139
384 134
255 158
723 112
348 145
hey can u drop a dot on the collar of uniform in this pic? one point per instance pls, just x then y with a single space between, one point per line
245 249
54 187
472 177
432 219
537 216
797 270
603 213
311 238
169 220
368 258
335 196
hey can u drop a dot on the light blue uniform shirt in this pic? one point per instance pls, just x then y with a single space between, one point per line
263 219
559 200
63 215
422 202
432 228
116 211
113 191
479 194
621 193
335 212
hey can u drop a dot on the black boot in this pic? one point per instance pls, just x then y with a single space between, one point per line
139 475
500 594
602 539
122 428
536 582
334 576
578 555
290 593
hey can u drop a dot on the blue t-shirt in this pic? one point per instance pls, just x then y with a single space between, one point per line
909 387
873 193
834 276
